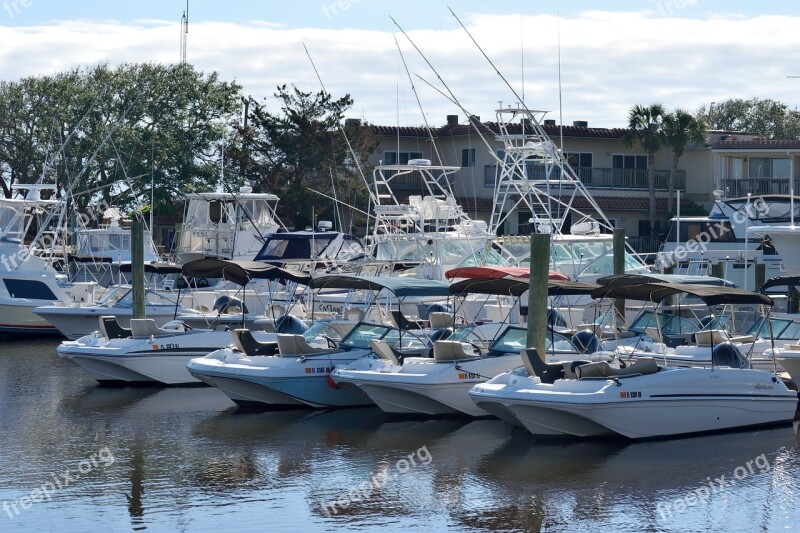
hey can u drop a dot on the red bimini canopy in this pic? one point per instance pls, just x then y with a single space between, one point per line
496 272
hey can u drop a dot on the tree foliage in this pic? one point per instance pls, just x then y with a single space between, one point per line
300 149
645 130
124 124
680 129
766 117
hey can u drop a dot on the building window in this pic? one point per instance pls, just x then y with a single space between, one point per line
579 160
759 167
629 162
390 158
29 289
468 157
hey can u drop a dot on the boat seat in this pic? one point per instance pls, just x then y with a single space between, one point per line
401 322
245 342
441 319
146 327
570 366
710 337
743 339
384 351
601 369
653 333
548 373
291 344
111 329
447 351
354 314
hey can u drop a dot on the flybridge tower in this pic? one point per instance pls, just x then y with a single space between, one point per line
535 175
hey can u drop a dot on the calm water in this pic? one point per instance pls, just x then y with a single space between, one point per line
184 459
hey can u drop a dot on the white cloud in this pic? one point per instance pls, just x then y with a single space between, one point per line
610 60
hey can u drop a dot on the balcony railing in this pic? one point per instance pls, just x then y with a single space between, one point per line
733 188
602 178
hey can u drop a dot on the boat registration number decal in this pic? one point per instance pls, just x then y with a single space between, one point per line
468 375
636 394
319 370
166 346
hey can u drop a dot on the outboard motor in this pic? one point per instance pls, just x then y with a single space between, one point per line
289 323
555 319
437 308
586 342
705 321
726 354
223 303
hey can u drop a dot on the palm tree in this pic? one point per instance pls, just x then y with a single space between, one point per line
681 128
645 125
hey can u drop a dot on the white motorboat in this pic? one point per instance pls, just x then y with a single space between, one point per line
146 353
440 386
26 280
642 400
299 374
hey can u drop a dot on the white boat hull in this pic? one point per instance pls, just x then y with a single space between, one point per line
285 380
76 322
671 402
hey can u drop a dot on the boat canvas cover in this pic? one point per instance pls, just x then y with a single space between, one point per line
400 286
241 272
153 268
517 286
657 292
625 279
301 245
781 281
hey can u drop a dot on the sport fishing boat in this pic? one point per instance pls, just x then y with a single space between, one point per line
226 225
644 399
298 375
440 386
26 280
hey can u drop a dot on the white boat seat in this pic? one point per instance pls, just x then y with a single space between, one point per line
245 342
601 369
710 337
441 319
293 344
146 327
791 348
110 328
446 351
383 350
743 339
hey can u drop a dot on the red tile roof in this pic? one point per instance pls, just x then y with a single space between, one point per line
493 129
756 144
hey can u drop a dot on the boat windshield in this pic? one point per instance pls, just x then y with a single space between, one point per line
321 328
577 257
360 335
449 251
668 324
783 329
515 339
150 298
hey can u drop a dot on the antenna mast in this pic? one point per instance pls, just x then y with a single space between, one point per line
184 32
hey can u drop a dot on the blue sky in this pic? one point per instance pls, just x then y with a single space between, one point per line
363 14
614 54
